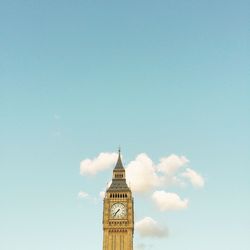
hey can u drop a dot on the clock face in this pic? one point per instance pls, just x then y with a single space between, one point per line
118 211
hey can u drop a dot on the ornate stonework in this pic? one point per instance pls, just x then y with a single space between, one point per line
118 212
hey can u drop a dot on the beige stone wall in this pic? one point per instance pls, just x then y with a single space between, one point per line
118 241
118 233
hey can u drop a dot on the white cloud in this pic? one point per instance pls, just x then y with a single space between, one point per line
196 179
83 195
148 227
168 201
171 164
141 174
102 162
102 194
144 175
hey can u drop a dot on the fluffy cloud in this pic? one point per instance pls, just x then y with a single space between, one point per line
168 201
102 194
171 164
100 163
141 174
196 179
83 195
144 175
148 227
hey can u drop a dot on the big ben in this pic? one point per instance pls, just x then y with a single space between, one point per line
118 212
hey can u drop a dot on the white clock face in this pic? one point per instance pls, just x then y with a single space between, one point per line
118 211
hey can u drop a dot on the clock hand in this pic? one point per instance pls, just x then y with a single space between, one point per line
117 211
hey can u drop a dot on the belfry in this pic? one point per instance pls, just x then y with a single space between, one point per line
118 212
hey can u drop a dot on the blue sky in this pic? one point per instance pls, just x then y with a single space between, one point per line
78 78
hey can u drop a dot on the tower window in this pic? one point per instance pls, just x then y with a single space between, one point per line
118 175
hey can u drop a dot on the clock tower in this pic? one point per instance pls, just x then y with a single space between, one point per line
118 212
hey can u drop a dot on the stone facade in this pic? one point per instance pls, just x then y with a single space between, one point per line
118 212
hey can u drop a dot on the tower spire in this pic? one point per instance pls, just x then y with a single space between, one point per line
119 164
119 176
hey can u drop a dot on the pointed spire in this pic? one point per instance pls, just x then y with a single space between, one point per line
119 164
119 176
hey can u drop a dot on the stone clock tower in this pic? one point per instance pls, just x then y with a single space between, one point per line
118 212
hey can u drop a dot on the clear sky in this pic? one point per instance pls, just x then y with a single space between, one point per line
82 77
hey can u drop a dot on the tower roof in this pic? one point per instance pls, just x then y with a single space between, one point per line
118 183
119 165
